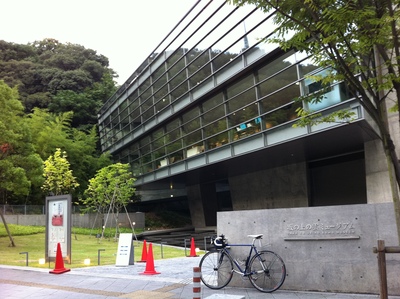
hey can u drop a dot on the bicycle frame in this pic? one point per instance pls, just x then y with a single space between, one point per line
264 268
253 251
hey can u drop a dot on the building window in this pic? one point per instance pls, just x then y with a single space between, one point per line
279 81
325 95
280 98
218 139
280 116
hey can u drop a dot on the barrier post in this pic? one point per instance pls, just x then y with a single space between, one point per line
196 283
98 255
26 258
184 241
161 248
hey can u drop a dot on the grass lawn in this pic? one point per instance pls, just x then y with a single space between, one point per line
83 246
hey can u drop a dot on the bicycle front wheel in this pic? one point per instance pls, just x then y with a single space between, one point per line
268 271
216 269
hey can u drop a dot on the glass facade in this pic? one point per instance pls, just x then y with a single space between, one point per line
212 82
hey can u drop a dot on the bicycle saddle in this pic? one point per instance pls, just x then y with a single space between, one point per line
259 236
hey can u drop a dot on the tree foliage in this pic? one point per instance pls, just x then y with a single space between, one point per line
58 175
57 90
112 186
359 41
27 140
83 104
20 166
60 77
51 131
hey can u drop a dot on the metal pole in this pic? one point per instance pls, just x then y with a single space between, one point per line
185 246
98 255
27 254
161 246
205 242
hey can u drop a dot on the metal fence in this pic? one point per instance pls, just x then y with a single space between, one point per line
29 209
381 250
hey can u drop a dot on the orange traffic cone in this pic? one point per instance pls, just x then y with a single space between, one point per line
150 270
192 249
59 268
144 253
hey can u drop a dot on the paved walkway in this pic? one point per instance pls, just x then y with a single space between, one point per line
174 281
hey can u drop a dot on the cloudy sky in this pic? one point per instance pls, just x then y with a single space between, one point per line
125 31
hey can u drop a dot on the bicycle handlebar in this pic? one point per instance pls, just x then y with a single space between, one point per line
215 241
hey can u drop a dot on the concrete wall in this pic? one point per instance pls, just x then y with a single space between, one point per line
324 248
281 187
37 220
85 220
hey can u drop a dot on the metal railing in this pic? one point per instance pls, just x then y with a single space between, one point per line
381 250
29 209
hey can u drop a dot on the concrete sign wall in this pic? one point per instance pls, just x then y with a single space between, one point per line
324 248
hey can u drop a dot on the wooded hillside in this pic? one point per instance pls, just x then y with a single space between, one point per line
50 94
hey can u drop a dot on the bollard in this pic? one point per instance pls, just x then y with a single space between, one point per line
98 256
161 248
184 240
205 242
25 252
196 283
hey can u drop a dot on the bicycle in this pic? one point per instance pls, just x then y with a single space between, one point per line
265 269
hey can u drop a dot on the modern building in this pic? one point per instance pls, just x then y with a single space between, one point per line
207 121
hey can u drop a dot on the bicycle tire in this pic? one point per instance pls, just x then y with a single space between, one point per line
216 269
267 271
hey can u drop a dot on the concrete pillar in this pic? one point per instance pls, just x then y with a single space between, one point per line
376 173
203 204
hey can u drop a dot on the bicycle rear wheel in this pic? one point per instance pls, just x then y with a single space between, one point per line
268 271
216 269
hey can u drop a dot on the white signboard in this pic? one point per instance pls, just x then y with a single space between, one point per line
125 250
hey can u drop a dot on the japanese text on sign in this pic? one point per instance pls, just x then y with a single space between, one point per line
339 228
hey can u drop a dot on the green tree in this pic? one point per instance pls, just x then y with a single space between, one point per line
44 70
51 131
112 186
110 190
58 175
359 42
84 157
20 167
83 103
61 86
